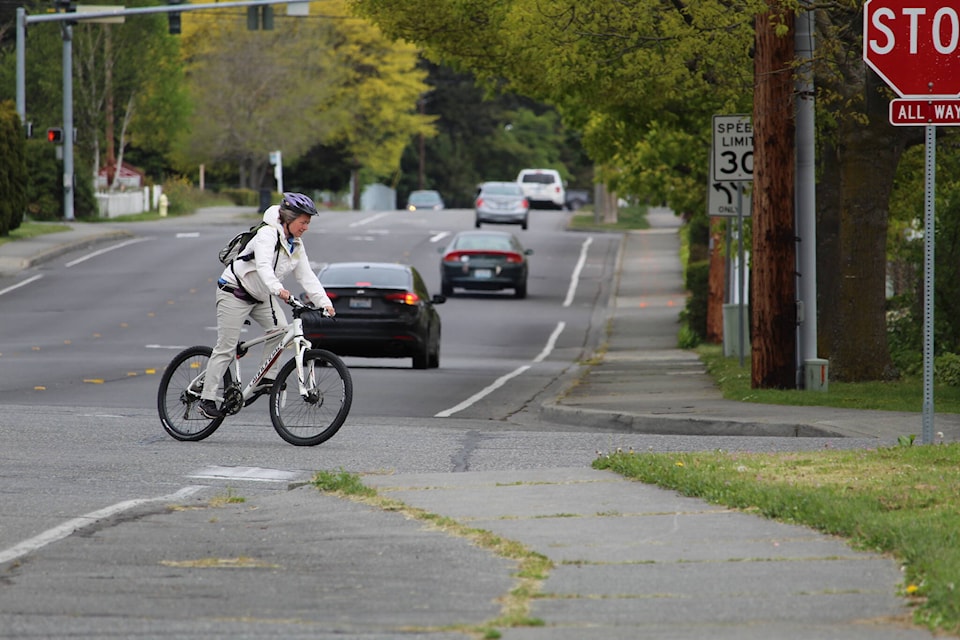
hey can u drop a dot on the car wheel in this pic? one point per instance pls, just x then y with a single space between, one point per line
476 223
446 289
421 359
521 290
523 225
435 358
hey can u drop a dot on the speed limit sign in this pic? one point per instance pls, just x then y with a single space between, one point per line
732 148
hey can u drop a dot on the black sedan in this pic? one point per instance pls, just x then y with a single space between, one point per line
484 260
383 311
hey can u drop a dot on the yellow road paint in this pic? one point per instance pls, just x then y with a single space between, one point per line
93 380
39 388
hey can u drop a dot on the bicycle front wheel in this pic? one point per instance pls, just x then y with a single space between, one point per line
309 419
179 395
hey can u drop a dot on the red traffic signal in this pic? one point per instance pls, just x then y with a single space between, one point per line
55 134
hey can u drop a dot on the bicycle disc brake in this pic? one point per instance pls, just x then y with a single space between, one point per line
232 399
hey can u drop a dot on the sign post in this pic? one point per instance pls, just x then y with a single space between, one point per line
914 45
731 165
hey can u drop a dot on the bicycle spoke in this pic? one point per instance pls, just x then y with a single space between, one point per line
312 417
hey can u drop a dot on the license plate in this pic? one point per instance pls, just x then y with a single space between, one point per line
360 303
482 273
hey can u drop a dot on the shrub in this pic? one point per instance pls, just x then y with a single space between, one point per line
697 283
946 369
13 169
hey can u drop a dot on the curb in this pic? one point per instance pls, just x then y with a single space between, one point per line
679 425
10 265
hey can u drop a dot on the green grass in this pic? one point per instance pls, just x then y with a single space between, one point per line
33 229
628 218
898 395
902 500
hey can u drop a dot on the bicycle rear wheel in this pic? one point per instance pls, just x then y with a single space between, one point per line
308 420
179 397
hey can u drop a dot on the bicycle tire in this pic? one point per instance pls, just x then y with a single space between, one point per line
178 407
309 421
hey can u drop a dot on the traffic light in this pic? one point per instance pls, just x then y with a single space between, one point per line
173 19
55 134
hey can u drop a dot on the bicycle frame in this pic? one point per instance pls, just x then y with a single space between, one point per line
293 334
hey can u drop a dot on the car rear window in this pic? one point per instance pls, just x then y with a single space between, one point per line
506 189
370 276
493 243
539 178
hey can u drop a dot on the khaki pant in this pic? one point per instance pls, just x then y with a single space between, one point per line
231 314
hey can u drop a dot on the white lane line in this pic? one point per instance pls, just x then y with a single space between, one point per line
575 277
191 234
502 380
255 474
71 526
369 219
440 236
178 347
102 251
21 284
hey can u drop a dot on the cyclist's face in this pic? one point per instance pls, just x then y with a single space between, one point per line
299 226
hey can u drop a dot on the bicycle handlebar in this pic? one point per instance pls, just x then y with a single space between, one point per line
300 306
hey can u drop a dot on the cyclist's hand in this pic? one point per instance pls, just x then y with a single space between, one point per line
330 311
284 295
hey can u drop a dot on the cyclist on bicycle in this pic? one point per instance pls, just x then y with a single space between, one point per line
248 284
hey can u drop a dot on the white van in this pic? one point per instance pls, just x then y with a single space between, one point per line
543 188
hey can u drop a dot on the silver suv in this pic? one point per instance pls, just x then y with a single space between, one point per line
543 188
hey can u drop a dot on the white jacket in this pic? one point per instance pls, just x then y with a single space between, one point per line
259 277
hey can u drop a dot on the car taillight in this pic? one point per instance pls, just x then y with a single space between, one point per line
332 295
515 258
406 297
454 256
525 204
479 203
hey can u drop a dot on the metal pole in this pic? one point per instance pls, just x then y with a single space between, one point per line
67 121
929 239
21 63
742 270
806 222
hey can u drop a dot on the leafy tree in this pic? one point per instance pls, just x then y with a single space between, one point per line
329 79
13 169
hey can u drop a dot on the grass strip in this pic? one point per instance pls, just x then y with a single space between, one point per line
905 394
901 500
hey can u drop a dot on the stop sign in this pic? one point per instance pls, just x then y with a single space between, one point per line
914 45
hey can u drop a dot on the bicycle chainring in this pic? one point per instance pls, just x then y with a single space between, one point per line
232 400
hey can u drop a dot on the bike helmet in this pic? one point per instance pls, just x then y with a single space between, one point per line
298 204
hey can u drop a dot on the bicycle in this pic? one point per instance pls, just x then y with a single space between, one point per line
307 418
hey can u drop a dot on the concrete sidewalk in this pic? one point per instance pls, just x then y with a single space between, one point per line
645 384
630 560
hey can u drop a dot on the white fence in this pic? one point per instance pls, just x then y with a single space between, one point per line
111 205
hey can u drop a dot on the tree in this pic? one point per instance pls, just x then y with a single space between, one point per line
859 156
328 79
13 169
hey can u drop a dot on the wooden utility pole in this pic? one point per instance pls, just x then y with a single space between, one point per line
773 268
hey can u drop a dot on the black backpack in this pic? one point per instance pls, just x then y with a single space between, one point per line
239 243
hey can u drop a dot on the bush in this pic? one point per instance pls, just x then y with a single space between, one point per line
13 169
45 186
697 283
946 369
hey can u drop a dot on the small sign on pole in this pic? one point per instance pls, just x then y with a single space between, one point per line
732 148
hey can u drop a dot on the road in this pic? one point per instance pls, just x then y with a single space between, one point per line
83 345
96 329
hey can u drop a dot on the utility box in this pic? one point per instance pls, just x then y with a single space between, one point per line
816 374
732 341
